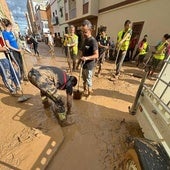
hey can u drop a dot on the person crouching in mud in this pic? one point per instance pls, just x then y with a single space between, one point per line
49 79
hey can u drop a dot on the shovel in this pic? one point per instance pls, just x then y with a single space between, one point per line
69 58
114 68
10 55
117 55
78 94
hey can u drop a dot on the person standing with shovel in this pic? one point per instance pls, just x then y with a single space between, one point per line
72 47
11 43
123 41
89 55
103 47
7 73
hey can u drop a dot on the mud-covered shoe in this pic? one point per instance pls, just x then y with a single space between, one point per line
116 76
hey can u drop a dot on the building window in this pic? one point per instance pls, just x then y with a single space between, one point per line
61 12
56 12
55 20
72 9
66 10
85 6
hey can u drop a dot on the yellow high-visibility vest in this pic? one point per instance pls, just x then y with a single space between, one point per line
126 43
143 50
160 51
73 39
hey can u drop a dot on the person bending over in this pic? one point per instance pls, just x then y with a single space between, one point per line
49 80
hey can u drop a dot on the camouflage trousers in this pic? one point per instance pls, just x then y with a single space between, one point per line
48 91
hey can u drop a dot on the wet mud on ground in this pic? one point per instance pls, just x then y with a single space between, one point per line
97 140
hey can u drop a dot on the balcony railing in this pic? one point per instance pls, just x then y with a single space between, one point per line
85 8
72 13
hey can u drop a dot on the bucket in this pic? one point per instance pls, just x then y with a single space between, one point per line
77 94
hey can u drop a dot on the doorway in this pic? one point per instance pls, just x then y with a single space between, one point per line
137 29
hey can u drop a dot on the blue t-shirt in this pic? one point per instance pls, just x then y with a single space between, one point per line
11 38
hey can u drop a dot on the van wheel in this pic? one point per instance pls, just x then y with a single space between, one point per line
131 161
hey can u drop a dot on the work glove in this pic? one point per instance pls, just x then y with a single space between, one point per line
59 111
62 116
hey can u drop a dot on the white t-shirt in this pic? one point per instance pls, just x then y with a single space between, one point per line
50 39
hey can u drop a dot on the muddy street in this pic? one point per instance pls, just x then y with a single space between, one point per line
97 141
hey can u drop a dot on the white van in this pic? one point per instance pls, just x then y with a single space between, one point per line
152 110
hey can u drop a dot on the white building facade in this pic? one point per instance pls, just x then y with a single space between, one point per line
148 17
75 11
54 16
